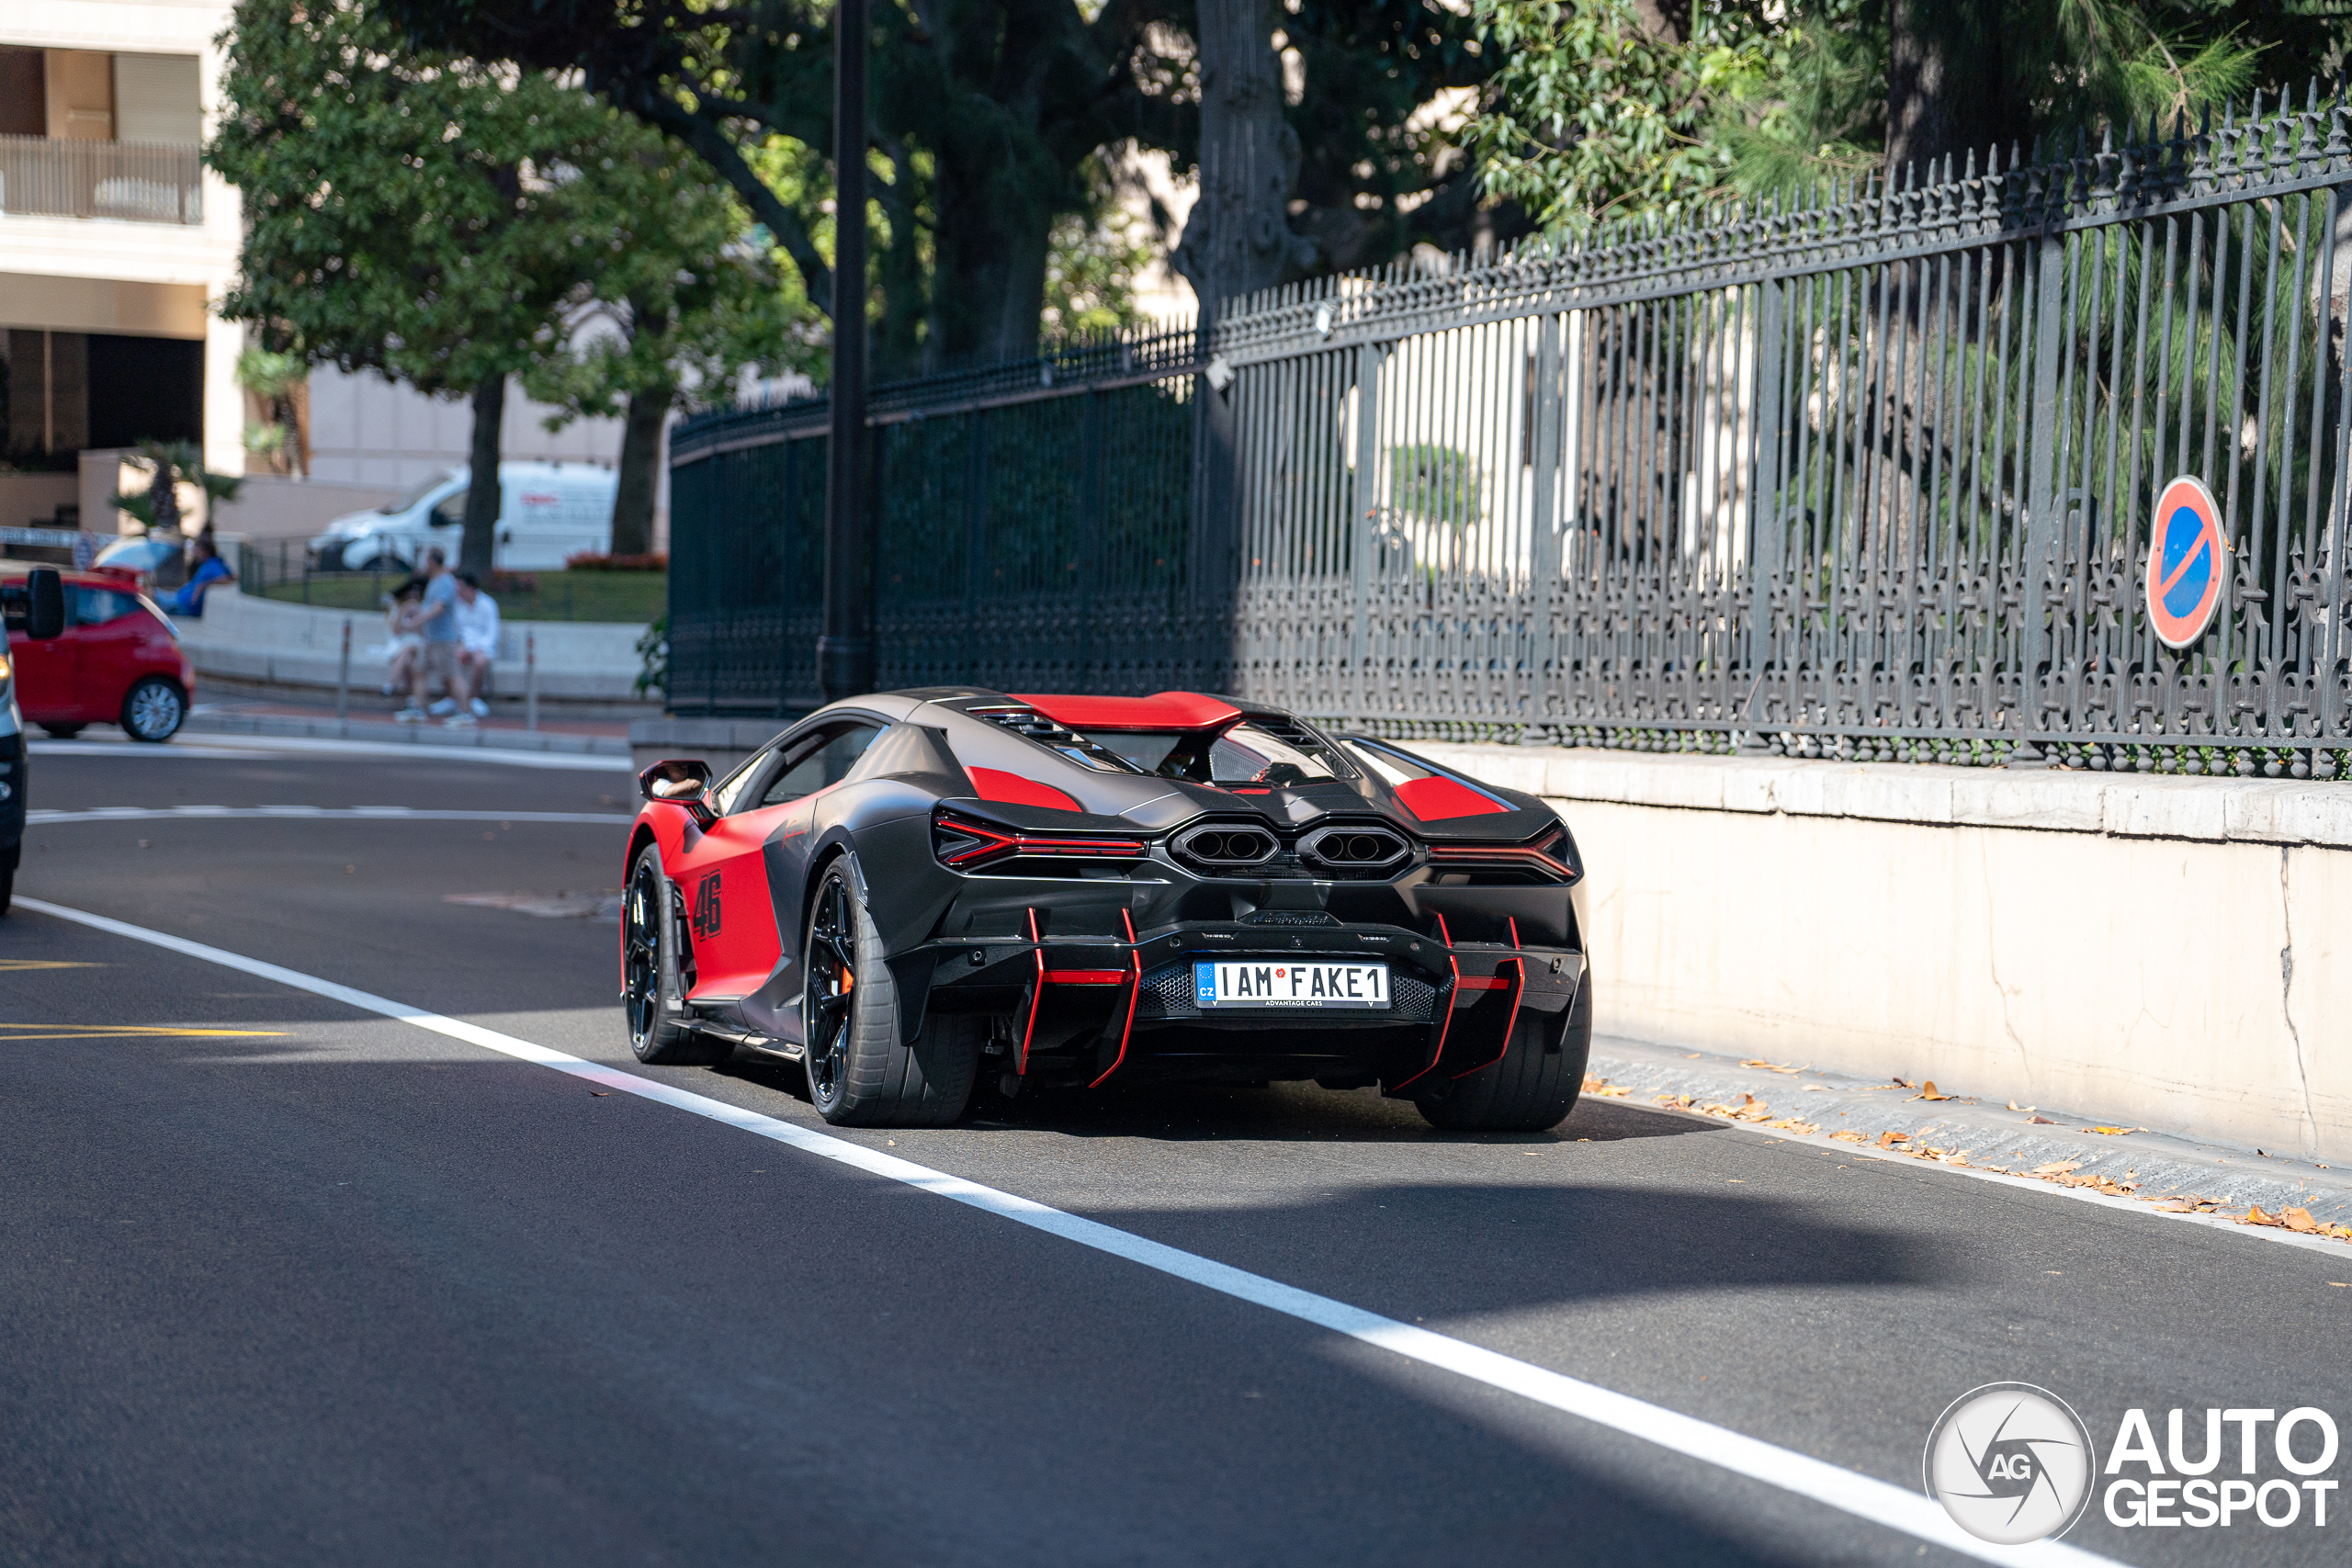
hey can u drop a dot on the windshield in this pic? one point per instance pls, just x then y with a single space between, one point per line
415 494
1247 753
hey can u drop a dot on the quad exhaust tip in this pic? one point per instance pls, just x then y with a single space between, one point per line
1224 846
1354 847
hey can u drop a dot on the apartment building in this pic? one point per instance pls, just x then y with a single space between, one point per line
114 241
116 248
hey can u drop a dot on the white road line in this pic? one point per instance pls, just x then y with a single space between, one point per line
354 813
102 749
217 744
1896 1508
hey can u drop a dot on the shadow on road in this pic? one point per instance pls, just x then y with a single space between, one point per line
1283 1112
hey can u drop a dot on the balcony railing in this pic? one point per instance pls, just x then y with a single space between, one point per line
138 182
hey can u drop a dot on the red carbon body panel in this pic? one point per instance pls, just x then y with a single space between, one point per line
722 877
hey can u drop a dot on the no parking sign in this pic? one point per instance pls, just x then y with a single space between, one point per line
2184 562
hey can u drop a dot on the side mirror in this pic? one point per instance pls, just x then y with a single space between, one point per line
45 608
678 782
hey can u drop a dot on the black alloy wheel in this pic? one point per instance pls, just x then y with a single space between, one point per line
827 1007
861 1073
657 970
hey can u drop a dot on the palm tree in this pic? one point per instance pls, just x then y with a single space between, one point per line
172 463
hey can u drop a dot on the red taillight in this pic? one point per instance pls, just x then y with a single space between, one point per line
1545 857
964 844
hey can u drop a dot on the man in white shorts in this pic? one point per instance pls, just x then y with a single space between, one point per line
476 637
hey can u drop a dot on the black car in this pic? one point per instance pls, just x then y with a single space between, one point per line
910 890
35 606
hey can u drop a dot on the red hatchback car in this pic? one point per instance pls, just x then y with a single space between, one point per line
119 661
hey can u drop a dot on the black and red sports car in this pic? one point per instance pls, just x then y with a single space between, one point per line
910 890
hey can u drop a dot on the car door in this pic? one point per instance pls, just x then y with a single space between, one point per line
46 670
106 632
445 522
530 530
729 882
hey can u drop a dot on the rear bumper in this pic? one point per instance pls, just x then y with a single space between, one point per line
1084 1009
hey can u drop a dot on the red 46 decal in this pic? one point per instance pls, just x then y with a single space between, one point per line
705 914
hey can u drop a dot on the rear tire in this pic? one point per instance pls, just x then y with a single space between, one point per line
652 985
153 709
63 731
8 875
859 1076
1532 1088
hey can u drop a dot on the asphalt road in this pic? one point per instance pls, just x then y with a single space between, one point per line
282 1280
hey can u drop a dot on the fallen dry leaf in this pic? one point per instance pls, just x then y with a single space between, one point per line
2015 1106
2298 1220
2254 1216
2110 1131
2042 1120
1771 1066
1888 1140
1849 1137
2057 1167
1929 1091
1815 1089
1615 1091
1904 1083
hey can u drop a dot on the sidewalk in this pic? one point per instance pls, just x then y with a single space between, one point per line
2288 1197
603 737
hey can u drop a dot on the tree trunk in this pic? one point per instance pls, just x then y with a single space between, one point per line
991 269
1664 21
482 490
1943 85
1239 238
1025 294
640 467
297 421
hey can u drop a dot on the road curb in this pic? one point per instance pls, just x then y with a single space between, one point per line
2001 1143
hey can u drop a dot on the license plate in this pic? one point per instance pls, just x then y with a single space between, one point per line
1290 985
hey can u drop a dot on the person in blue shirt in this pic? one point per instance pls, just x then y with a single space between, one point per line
437 623
210 569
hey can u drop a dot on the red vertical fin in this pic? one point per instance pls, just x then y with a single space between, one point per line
1134 989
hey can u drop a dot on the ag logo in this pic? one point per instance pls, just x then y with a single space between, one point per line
706 915
2011 1463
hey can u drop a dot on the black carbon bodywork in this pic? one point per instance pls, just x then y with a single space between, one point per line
1085 960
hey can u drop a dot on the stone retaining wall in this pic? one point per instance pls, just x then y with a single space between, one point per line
2170 951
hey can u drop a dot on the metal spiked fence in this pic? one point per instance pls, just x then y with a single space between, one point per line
1034 534
1867 474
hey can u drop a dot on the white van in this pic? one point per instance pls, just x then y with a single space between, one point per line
547 512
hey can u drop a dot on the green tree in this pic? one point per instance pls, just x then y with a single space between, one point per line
1610 107
680 297
989 119
401 216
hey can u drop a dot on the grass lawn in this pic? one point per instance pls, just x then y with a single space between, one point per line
563 595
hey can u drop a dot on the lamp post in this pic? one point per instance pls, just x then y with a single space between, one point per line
846 650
